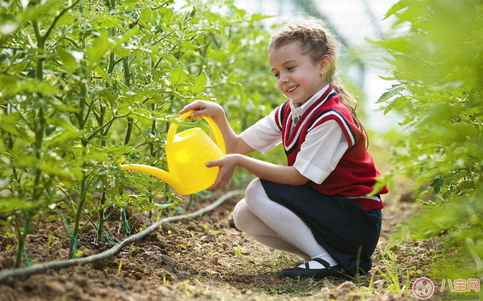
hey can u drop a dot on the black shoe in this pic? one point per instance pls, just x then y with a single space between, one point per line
317 274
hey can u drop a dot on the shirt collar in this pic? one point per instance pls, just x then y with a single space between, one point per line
298 109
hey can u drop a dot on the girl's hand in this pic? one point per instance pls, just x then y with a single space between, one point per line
227 165
203 108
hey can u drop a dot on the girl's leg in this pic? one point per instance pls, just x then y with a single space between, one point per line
285 223
248 222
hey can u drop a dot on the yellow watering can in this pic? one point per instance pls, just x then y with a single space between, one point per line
187 154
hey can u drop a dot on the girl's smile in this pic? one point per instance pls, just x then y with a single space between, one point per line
298 76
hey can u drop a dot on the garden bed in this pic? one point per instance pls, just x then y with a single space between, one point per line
201 258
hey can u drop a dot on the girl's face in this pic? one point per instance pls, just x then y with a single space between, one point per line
298 76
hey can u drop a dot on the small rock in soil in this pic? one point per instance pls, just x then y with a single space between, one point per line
55 287
29 287
191 226
139 269
167 227
62 253
163 290
347 286
138 275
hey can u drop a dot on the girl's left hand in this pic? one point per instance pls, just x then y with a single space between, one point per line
227 165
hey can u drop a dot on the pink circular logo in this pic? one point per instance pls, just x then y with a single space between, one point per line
423 288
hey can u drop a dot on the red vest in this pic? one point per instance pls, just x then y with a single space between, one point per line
355 174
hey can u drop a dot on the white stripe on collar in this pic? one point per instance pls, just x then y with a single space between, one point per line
298 110
295 139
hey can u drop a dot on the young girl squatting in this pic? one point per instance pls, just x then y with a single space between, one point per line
316 207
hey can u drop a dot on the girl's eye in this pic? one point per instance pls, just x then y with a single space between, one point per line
276 75
290 68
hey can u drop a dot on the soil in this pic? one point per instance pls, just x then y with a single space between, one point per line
204 258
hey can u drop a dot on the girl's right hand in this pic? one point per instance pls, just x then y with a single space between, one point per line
203 108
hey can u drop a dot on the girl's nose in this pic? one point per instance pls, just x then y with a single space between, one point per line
283 79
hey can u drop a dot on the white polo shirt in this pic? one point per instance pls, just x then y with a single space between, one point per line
321 151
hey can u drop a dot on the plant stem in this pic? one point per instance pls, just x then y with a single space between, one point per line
127 73
101 215
82 105
78 213
151 200
21 243
84 186
130 124
39 136
152 152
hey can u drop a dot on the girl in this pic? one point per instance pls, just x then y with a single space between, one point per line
317 206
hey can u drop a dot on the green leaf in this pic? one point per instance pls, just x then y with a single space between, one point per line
55 169
98 49
214 40
167 14
106 22
52 218
391 92
9 205
437 184
147 15
10 124
199 83
177 75
102 72
61 137
68 60
396 103
164 107
395 8
20 67
132 32
107 95
34 12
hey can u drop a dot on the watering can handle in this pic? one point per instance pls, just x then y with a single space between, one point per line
213 126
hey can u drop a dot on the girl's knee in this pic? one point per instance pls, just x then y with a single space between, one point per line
253 191
240 215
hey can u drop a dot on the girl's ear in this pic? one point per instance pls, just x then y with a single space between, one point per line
324 64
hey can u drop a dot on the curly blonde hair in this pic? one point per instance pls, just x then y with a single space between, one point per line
317 41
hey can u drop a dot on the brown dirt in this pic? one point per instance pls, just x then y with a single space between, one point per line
203 258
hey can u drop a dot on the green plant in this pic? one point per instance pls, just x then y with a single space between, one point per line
238 252
303 287
119 267
437 67
392 274
369 288
85 85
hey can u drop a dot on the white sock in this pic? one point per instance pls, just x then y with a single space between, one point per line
317 265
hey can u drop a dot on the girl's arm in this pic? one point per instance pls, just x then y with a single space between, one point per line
234 144
264 170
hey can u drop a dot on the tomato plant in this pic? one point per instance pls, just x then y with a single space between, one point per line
85 85
436 57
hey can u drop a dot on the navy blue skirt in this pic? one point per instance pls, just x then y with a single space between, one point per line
340 225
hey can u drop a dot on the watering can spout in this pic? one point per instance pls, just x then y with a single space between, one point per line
158 173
